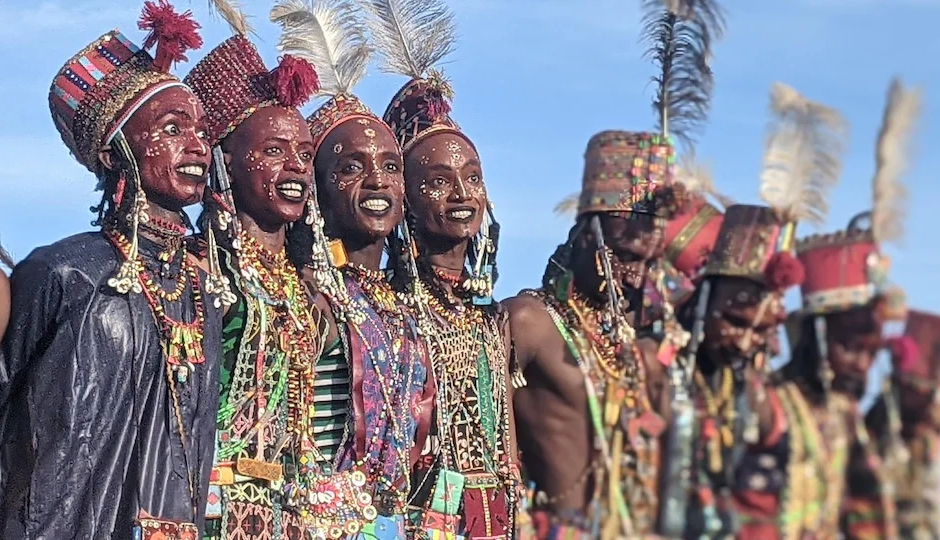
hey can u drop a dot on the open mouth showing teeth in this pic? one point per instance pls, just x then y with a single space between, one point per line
375 205
292 190
461 214
198 171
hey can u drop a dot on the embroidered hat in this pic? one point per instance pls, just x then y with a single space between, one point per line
98 89
690 236
233 83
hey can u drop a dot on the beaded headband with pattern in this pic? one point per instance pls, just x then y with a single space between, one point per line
98 89
233 82
421 109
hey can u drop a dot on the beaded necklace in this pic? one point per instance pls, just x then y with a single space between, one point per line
394 389
719 410
182 341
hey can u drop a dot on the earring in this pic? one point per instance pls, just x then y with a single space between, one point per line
311 209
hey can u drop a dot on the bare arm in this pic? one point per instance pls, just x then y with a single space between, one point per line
4 303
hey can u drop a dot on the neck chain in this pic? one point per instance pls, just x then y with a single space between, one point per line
589 321
717 427
447 276
455 313
375 286
182 341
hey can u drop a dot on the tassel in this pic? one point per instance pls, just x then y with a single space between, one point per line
438 96
173 33
295 81
784 271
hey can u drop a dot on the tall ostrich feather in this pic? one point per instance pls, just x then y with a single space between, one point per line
330 35
679 35
232 13
412 35
805 146
892 150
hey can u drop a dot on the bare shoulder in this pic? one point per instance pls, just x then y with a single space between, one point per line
533 331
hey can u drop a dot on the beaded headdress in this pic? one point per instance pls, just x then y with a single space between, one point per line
233 82
802 162
98 89
847 269
331 35
690 236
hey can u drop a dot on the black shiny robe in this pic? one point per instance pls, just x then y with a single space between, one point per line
88 433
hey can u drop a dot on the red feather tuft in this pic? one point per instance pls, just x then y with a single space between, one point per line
438 107
905 353
173 33
784 271
295 80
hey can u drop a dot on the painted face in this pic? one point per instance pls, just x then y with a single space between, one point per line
739 322
633 239
167 136
362 190
854 338
270 160
444 187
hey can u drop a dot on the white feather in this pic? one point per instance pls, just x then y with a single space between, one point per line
892 159
697 177
568 205
805 146
412 35
329 35
232 13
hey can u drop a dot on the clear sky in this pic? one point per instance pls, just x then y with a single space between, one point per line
534 79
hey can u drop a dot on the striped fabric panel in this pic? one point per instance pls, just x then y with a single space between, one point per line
331 400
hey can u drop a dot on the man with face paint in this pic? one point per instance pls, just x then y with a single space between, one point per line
109 376
467 479
268 465
821 478
905 422
591 399
379 401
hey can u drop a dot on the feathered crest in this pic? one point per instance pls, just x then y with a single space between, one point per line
568 205
679 35
805 145
697 178
412 35
891 158
231 11
328 34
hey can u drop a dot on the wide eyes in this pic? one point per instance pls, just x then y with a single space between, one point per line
474 179
306 156
392 167
439 182
351 168
202 134
171 129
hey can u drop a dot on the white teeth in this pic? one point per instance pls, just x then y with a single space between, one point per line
195 170
460 214
375 205
293 190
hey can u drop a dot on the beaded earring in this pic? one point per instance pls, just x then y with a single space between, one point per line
127 279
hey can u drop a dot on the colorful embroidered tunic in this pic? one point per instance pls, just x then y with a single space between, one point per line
391 403
792 488
626 432
462 483
258 457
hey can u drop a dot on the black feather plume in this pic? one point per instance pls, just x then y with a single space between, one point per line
679 35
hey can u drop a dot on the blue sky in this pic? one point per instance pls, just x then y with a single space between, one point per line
534 79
